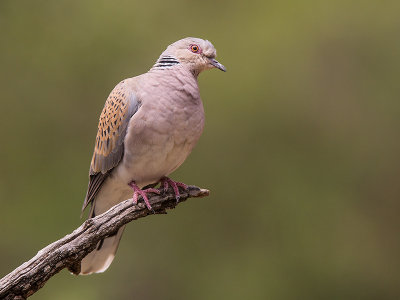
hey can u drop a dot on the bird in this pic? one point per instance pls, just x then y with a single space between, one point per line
149 125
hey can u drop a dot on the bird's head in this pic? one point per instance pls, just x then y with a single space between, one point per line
194 54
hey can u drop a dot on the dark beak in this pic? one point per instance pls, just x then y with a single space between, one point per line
216 64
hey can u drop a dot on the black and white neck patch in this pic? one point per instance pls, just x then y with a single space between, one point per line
166 61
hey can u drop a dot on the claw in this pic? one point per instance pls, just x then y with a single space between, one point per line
166 182
137 191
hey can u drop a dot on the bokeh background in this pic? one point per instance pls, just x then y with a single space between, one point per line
301 146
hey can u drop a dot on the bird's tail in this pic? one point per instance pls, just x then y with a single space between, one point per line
100 259
102 256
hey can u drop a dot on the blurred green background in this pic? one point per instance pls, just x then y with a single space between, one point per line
301 146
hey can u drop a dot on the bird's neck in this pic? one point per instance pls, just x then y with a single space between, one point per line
165 62
177 78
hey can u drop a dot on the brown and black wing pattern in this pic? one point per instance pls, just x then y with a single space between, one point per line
120 106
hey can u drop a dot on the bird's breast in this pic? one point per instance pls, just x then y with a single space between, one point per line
161 134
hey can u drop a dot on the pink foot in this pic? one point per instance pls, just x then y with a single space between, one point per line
165 181
137 191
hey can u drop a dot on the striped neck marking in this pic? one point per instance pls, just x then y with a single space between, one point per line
166 61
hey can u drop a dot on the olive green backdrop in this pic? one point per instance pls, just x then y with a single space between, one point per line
301 146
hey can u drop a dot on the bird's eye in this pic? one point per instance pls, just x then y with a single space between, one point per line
194 48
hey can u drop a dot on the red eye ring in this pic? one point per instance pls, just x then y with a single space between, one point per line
194 48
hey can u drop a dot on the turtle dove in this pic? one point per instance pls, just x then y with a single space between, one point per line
149 125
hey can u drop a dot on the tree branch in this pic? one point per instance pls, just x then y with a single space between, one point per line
69 251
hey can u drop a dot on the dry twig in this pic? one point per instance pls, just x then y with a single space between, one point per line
69 251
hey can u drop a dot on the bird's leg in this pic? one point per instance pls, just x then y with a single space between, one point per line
137 191
165 182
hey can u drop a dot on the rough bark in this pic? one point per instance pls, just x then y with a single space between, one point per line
68 251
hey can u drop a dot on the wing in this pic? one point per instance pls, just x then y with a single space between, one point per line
120 106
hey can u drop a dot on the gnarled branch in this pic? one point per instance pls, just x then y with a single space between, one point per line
71 249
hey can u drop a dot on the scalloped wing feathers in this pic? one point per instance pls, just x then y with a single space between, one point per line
120 106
